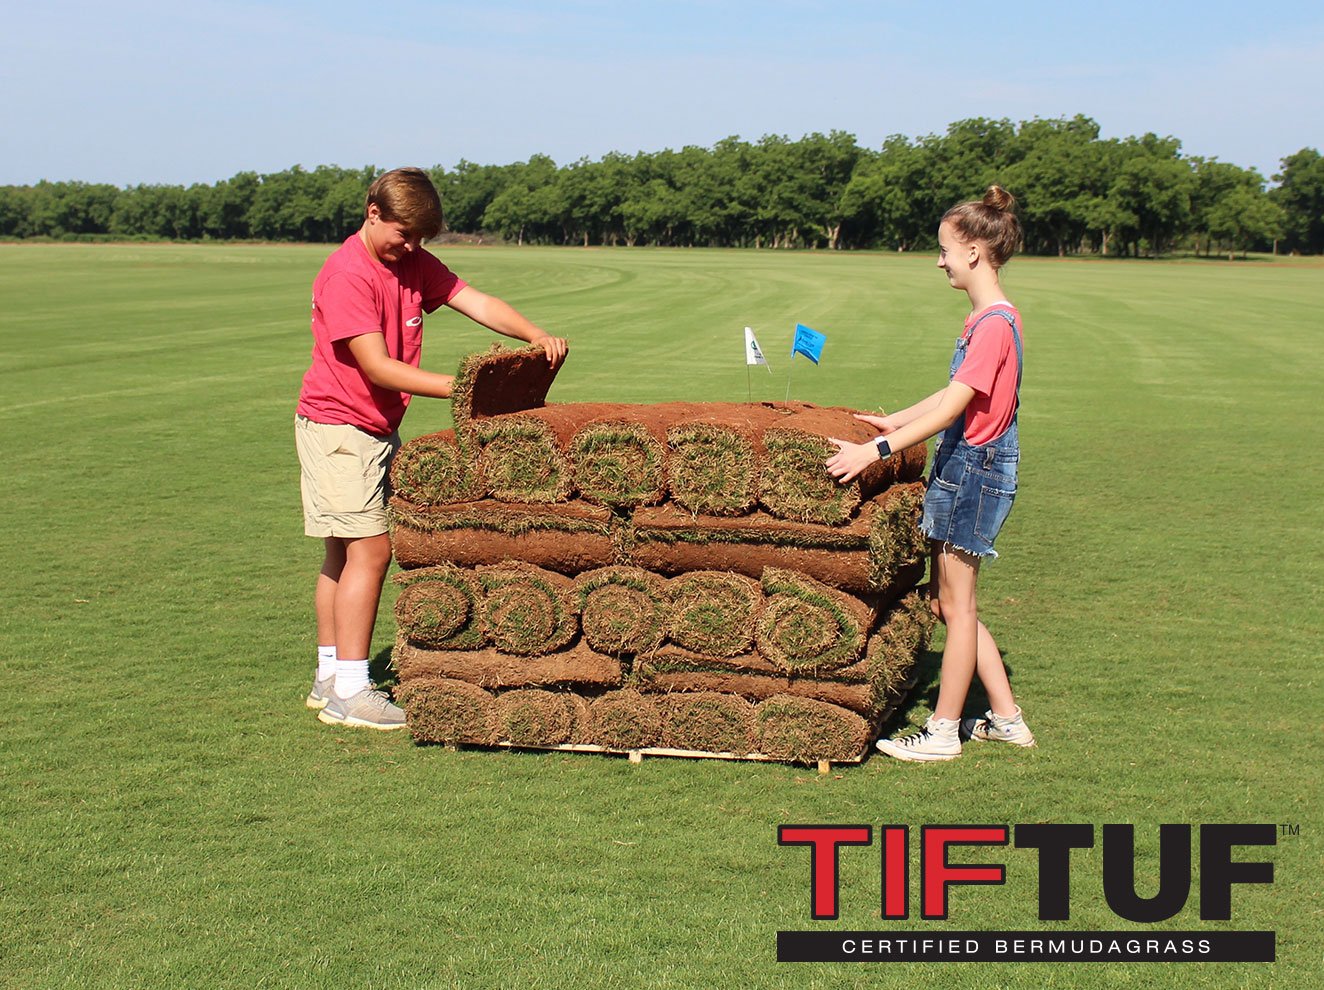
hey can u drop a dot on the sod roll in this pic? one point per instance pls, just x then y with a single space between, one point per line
439 608
620 463
499 381
708 722
803 731
527 609
623 610
575 667
534 717
441 710
808 627
624 719
713 612
895 540
712 469
521 460
569 537
433 469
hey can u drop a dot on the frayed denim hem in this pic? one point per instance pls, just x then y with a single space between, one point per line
989 554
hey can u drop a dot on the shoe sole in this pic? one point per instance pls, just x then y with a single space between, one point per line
315 702
1014 742
357 723
882 745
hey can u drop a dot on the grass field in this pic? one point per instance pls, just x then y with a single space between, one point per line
172 816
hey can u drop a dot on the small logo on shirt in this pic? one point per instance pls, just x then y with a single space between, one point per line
416 321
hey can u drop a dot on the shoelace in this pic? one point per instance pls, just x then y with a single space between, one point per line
914 739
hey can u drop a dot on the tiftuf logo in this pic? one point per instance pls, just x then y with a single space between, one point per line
1219 871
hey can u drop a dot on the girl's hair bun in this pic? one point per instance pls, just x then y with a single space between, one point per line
999 199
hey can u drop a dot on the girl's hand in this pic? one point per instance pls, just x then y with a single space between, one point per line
880 423
850 459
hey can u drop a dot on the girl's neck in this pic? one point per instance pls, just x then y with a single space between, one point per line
985 294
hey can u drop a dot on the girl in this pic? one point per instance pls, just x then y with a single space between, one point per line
973 481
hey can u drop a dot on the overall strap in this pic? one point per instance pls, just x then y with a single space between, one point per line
1016 339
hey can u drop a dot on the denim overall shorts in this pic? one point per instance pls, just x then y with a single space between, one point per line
971 487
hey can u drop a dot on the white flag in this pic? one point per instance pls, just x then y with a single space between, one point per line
754 353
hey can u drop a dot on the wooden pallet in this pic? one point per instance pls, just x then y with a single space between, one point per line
637 755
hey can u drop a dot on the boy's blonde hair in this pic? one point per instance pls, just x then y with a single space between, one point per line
407 196
991 220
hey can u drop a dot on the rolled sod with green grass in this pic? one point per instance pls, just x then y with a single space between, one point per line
569 538
619 462
440 608
893 650
441 710
527 609
793 482
895 540
575 667
807 627
434 470
534 717
707 721
623 610
624 719
801 730
521 460
714 612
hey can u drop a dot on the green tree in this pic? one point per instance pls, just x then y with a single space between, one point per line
1300 193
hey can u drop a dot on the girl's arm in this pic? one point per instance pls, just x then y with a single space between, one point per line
852 458
497 314
893 421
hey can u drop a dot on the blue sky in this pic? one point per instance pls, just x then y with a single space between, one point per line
195 91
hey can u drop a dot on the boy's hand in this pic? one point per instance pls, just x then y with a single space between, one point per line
850 459
554 347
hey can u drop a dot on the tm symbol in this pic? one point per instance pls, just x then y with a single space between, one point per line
1289 829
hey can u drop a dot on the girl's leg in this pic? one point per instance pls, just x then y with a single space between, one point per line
988 660
957 574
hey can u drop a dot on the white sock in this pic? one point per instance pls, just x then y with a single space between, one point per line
326 662
351 677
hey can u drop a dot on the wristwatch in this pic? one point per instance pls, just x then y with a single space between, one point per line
884 448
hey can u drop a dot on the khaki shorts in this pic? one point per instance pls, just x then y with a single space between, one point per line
343 474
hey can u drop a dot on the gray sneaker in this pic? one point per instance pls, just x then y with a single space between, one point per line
321 693
998 728
370 709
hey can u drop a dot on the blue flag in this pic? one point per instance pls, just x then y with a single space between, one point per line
807 342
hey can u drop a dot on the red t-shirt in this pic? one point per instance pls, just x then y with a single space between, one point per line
990 369
355 294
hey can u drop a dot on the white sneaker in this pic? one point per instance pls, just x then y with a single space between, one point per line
938 740
369 709
998 728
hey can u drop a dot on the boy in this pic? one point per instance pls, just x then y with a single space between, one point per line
368 305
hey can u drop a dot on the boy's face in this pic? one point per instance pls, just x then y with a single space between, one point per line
387 240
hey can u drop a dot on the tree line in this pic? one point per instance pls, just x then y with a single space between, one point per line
1077 194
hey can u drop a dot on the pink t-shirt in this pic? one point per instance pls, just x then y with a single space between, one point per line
355 294
990 369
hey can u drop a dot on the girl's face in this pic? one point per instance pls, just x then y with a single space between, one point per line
955 256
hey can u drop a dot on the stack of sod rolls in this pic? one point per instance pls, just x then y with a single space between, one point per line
678 577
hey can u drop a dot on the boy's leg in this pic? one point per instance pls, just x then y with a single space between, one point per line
356 595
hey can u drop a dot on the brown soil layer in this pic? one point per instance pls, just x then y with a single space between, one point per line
759 687
576 667
500 381
567 538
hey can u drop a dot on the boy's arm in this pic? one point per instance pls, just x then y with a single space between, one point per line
498 315
384 371
852 458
